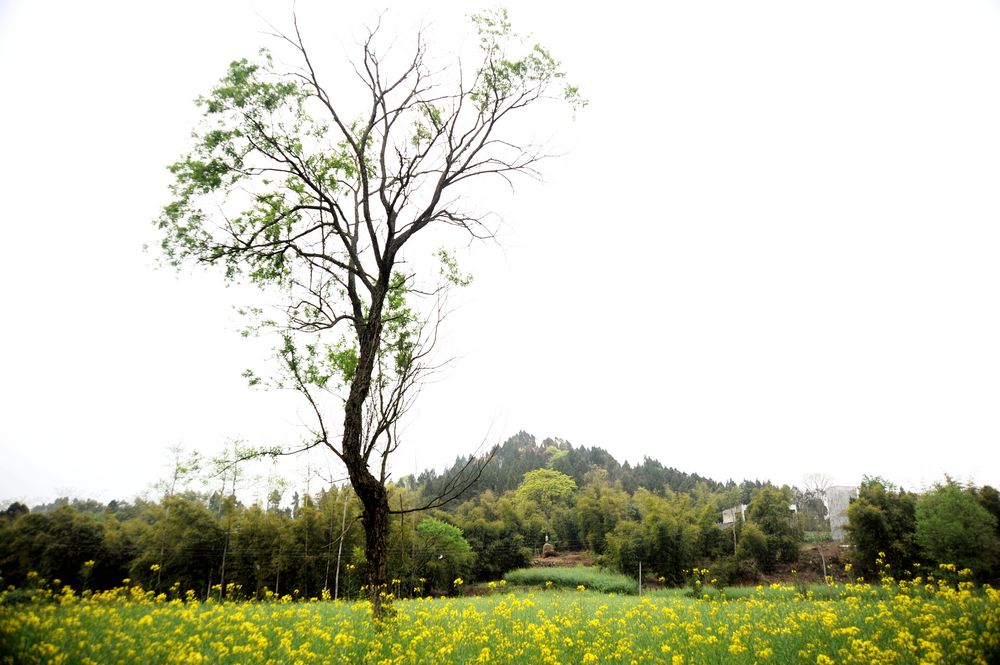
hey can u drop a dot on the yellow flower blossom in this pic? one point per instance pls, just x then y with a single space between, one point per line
949 622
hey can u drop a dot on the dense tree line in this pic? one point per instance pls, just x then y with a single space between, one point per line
530 494
896 532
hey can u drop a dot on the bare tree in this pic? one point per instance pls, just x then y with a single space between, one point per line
291 191
817 483
812 500
184 469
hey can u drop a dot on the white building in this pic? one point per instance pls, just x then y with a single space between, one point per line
733 515
838 498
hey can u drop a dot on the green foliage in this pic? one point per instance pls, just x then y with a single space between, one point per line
261 544
56 545
753 548
268 188
599 508
507 75
882 520
953 527
989 498
446 553
441 536
769 509
665 539
496 533
812 512
201 540
450 270
542 498
184 541
652 475
546 487
595 579
522 453
400 330
14 510
253 107
627 547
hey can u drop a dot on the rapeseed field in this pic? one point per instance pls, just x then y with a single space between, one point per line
920 621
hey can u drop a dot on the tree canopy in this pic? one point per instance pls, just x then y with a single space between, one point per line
953 527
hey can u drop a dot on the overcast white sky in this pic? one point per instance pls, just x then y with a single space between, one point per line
771 250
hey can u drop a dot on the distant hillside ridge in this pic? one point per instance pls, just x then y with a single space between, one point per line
522 453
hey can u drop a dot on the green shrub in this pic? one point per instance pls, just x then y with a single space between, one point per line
817 536
753 547
953 527
592 578
726 571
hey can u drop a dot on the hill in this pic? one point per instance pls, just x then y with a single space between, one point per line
522 453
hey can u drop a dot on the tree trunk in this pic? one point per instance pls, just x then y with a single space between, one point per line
369 489
376 523
375 519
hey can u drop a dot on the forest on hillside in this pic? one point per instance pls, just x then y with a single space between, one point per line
530 494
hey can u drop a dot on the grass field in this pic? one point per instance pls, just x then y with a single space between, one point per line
572 578
909 623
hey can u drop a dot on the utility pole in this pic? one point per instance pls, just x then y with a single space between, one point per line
340 546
